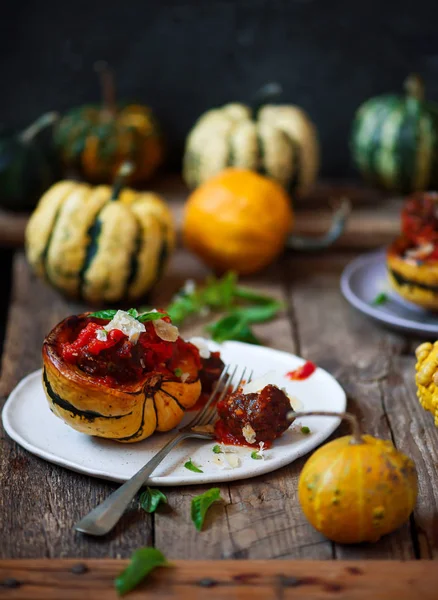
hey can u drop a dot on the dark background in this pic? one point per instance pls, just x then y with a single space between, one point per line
183 57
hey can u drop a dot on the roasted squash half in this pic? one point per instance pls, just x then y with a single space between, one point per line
414 279
126 413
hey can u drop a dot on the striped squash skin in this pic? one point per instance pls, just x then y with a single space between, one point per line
394 143
91 247
280 142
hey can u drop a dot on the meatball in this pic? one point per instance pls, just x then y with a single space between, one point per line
210 372
264 412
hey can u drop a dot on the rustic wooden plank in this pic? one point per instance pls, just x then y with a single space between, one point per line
359 354
413 430
260 518
40 502
235 580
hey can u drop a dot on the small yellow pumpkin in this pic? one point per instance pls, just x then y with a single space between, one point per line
126 413
357 488
426 377
237 220
100 244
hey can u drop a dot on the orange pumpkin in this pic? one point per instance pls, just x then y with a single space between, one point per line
357 488
237 220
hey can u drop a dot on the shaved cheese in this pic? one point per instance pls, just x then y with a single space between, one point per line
249 434
420 252
101 335
127 325
166 331
184 377
201 345
227 461
256 385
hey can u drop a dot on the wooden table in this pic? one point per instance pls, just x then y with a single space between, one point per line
260 518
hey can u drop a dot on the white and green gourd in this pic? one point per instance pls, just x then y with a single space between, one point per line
394 140
280 142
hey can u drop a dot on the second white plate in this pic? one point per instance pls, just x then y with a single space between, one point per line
28 420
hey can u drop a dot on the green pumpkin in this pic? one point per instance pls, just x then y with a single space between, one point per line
99 244
27 165
279 142
394 140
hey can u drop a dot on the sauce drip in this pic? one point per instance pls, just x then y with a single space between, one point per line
303 372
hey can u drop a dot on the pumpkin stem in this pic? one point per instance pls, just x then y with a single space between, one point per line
352 419
125 169
42 122
268 93
107 88
414 87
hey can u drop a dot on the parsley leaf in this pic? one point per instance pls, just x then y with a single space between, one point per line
143 561
232 327
305 430
217 449
380 299
151 498
191 467
200 505
255 455
178 372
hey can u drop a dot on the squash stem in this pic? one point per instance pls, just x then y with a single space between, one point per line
352 419
107 88
268 93
125 169
414 86
41 123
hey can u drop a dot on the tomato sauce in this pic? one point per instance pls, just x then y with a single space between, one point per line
303 372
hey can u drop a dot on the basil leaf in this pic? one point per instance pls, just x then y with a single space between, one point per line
380 299
200 505
255 455
151 316
133 312
217 449
143 561
232 327
191 467
151 498
104 314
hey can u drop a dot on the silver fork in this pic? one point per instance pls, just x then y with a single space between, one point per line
103 518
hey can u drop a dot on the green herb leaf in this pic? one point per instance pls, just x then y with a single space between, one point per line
133 312
258 314
104 314
151 316
191 467
232 327
255 455
200 505
305 430
217 449
178 372
380 299
143 561
247 294
151 498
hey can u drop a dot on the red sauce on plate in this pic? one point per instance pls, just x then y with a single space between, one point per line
303 372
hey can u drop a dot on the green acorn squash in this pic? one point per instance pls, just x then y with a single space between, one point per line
28 166
279 142
95 140
99 244
394 140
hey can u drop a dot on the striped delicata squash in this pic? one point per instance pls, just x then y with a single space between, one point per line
99 398
277 141
426 377
394 140
100 244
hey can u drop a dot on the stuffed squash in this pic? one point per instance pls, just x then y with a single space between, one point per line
120 375
412 259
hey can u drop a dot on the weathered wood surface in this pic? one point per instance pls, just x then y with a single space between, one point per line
260 519
234 580
373 222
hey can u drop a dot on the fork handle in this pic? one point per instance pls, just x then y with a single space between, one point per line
103 518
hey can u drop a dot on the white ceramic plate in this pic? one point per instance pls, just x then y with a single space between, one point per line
28 420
